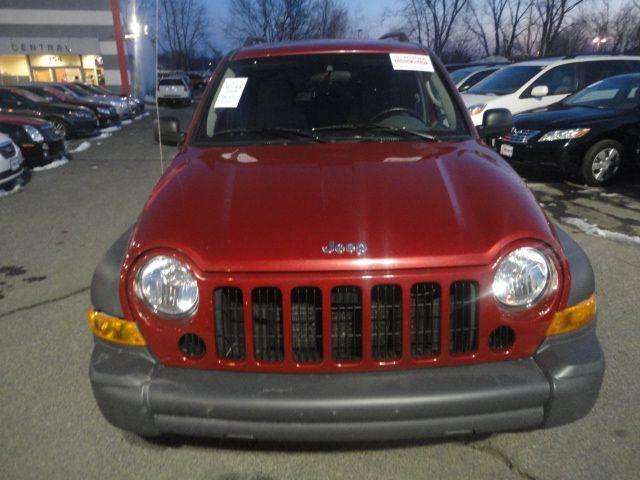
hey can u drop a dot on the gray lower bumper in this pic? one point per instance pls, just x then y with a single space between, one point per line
559 385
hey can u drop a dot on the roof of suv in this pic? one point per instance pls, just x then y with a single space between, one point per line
309 47
577 58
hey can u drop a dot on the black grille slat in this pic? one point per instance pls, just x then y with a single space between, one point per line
306 320
267 324
425 319
229 318
463 317
386 322
346 323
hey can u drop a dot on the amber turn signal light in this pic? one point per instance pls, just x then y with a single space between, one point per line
573 317
115 329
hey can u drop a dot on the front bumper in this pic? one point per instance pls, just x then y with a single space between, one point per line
558 385
42 153
83 127
558 155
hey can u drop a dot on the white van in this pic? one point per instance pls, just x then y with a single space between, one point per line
529 85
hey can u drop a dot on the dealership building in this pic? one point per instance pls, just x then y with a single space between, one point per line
65 40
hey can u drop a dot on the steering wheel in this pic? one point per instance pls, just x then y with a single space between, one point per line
395 110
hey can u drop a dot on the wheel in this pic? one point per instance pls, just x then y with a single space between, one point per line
601 164
60 126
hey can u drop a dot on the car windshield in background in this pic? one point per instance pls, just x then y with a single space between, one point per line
328 98
461 74
171 82
620 92
505 81
29 95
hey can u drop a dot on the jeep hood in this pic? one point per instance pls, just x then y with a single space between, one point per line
272 208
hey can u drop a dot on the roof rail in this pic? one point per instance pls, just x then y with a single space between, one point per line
396 35
250 41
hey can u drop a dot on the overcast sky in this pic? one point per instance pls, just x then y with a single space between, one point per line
365 14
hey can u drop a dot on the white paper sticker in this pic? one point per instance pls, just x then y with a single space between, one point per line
412 62
230 92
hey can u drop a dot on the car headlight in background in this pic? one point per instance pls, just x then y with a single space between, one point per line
167 287
564 134
33 133
523 277
103 110
476 109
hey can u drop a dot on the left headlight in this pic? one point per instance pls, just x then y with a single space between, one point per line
34 133
523 277
103 111
564 134
167 287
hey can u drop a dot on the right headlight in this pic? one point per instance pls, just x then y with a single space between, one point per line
167 287
476 109
523 278
33 133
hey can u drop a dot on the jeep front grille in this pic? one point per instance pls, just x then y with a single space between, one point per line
363 325
7 150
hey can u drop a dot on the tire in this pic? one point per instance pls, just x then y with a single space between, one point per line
602 163
60 126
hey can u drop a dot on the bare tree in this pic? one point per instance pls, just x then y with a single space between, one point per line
488 18
432 20
516 26
183 26
278 20
552 18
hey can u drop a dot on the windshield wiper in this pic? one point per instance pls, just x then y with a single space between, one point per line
403 132
287 133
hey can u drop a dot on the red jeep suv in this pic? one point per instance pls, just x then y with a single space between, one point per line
336 255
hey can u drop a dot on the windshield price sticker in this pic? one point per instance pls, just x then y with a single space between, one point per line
415 63
230 93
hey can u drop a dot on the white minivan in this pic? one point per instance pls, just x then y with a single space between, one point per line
534 84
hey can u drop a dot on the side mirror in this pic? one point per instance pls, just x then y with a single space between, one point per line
495 123
540 91
168 131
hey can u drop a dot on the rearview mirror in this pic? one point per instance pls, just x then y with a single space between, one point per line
540 91
495 123
167 131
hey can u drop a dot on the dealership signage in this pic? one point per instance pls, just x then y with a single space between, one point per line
57 46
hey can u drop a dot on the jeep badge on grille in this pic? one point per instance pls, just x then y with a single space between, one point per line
340 248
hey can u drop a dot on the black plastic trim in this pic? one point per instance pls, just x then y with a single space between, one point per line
106 278
583 283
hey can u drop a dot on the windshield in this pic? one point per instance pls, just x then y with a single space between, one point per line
620 92
29 95
506 81
79 91
332 97
459 75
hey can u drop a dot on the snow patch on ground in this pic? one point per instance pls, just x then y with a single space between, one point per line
610 195
596 231
126 122
145 114
15 189
82 147
110 129
103 135
55 164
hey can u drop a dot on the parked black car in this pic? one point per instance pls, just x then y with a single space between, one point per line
137 106
106 114
69 120
593 133
121 105
38 140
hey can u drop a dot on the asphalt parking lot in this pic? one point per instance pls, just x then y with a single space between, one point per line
56 228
